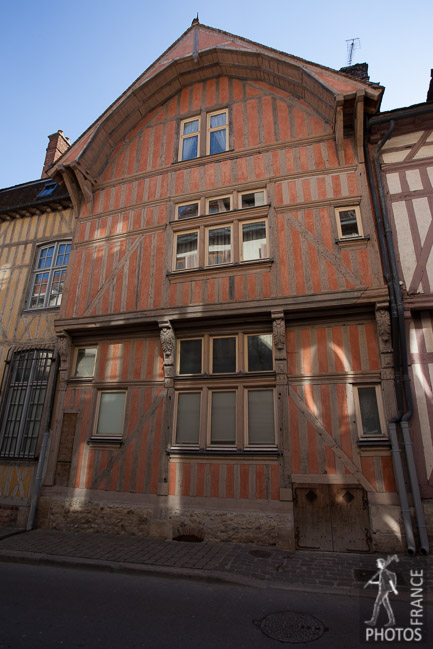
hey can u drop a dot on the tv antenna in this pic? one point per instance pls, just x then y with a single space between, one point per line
352 45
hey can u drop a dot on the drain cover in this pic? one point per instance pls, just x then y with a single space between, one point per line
288 626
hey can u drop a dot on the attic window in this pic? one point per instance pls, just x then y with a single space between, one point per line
47 190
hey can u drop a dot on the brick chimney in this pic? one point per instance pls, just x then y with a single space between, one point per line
57 145
357 70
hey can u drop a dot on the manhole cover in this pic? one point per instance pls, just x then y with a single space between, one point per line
261 554
288 626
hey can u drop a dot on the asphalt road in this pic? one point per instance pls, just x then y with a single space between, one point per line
45 607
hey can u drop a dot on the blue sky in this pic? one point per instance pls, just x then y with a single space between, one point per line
63 63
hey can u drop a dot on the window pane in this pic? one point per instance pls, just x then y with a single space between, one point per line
261 417
187 211
220 249
85 365
190 357
369 411
254 241
218 120
57 287
188 418
63 254
190 127
111 412
219 205
39 290
46 257
223 418
186 251
253 199
260 353
223 355
217 141
349 223
190 147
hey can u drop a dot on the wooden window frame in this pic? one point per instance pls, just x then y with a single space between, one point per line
346 208
216 198
232 252
50 271
380 409
178 356
210 129
183 137
185 204
176 408
176 236
241 238
247 443
252 191
75 360
262 333
211 339
116 437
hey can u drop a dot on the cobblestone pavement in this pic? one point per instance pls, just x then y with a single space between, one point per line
242 563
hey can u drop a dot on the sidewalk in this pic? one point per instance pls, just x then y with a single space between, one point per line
342 573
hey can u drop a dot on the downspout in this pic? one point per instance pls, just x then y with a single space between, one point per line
392 424
419 512
44 449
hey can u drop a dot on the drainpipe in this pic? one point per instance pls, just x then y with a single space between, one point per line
405 418
44 449
392 424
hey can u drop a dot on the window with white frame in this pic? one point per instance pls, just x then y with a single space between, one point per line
189 145
84 363
252 199
225 392
220 245
23 401
49 275
349 223
369 411
215 125
217 132
219 204
110 414
187 210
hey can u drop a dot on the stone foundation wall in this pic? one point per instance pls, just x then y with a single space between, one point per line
251 526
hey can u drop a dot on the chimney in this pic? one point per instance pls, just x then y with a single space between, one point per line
358 71
57 145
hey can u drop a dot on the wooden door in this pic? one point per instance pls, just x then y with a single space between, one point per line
332 518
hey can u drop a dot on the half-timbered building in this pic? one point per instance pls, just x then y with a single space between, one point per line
226 361
35 240
401 151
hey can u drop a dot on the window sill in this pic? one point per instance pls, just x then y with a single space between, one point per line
220 269
105 442
41 308
352 242
203 158
221 452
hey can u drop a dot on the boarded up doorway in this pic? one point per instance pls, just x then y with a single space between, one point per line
331 518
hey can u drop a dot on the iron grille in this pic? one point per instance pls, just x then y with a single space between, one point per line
23 402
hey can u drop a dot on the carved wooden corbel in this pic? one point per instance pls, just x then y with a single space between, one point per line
168 344
64 346
383 322
85 186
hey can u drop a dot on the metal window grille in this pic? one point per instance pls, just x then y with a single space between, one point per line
23 402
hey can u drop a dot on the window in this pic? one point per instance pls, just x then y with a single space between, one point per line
369 411
186 210
219 204
189 145
348 222
49 275
186 250
219 245
225 392
110 414
217 128
47 190
24 395
85 362
252 199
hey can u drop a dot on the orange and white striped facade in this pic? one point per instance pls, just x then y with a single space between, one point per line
144 284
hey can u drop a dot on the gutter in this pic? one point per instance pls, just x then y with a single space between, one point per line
386 245
44 449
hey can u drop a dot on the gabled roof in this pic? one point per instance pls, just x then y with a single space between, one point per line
204 52
32 198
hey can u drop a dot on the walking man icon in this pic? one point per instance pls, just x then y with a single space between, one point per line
387 581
